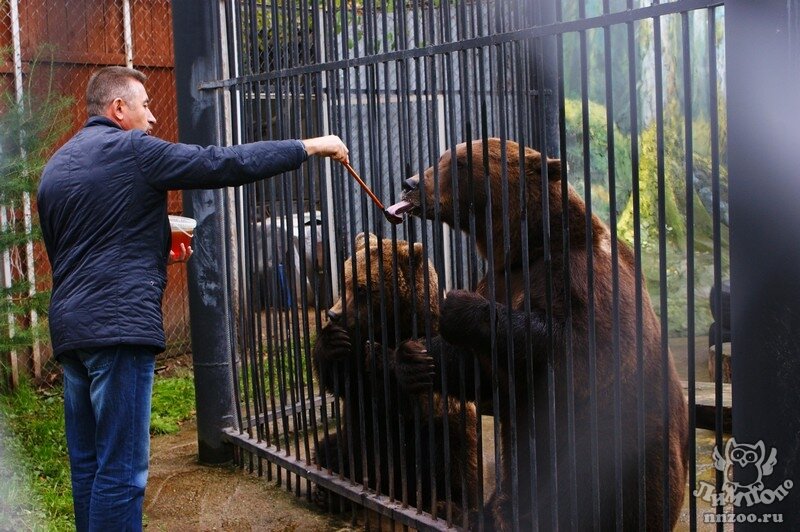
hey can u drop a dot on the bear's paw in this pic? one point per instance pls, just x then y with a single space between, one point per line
414 367
334 343
464 319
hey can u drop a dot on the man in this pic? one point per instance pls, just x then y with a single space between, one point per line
103 208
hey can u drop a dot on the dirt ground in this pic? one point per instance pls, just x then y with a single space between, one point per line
185 496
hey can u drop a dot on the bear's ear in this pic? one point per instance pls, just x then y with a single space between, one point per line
418 253
365 239
553 169
533 163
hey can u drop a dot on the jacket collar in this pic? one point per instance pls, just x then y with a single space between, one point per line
100 121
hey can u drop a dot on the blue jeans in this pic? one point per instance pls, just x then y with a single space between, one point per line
107 416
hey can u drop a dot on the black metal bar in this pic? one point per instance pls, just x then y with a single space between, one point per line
526 78
615 308
490 269
466 104
572 480
548 142
639 290
309 82
662 264
714 127
690 264
587 184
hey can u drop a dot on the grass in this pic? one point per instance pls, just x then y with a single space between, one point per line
173 402
35 493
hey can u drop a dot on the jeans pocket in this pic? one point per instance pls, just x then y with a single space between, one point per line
96 360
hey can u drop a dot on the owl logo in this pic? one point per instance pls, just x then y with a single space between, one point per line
752 461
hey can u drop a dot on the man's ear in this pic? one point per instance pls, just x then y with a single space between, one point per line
115 110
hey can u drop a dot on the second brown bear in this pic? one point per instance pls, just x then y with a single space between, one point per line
385 299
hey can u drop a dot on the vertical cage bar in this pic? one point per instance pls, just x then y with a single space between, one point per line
662 261
615 282
690 265
572 480
587 183
717 242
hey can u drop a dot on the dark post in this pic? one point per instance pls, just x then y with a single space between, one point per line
196 29
763 63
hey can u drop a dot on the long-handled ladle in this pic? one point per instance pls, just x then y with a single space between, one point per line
393 218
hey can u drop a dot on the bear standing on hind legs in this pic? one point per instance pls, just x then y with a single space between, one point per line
341 361
584 470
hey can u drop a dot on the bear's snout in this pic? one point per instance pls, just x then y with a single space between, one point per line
333 315
412 183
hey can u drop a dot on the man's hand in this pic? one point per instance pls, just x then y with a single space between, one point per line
327 146
183 257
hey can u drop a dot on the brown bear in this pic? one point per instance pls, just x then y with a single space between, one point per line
580 461
384 299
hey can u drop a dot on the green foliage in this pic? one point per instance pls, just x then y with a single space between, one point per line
649 194
674 227
173 402
673 196
30 127
598 156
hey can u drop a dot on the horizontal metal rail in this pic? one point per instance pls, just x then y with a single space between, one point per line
355 492
290 410
559 28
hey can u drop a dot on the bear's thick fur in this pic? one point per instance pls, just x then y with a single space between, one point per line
347 367
562 392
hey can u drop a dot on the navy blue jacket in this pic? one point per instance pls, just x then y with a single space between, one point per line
103 208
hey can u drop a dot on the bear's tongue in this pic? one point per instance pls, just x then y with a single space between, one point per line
397 210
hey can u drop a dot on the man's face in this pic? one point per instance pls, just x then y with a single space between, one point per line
133 112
